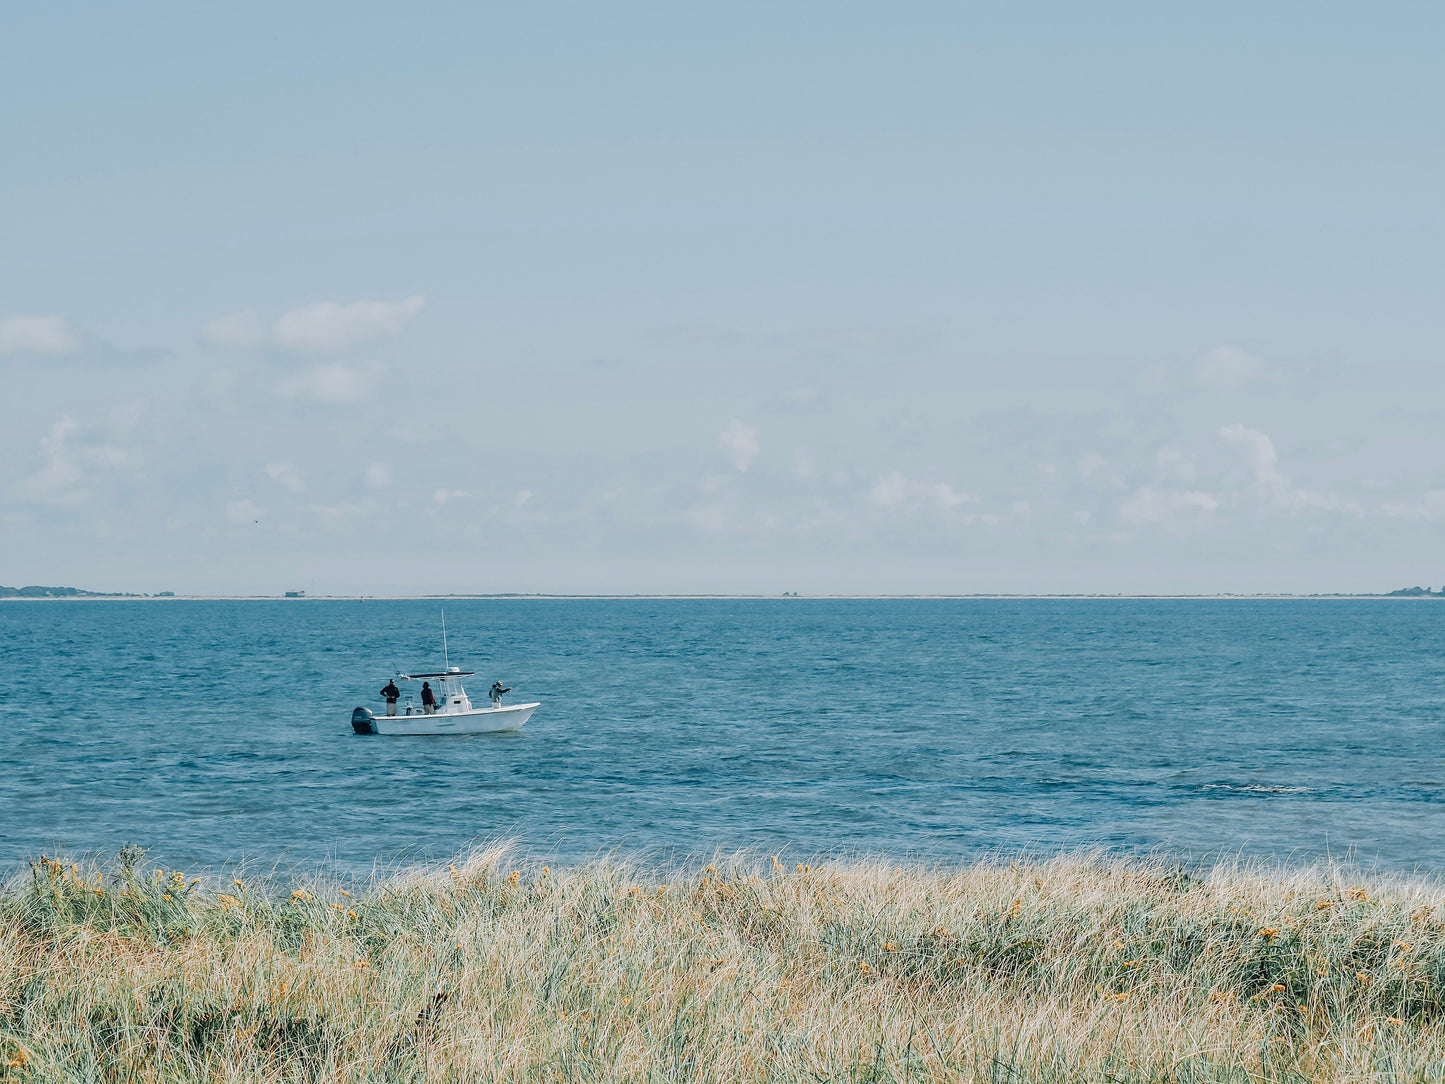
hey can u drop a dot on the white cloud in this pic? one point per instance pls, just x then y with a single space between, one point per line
1227 368
378 476
1427 510
43 336
443 496
1172 463
1271 483
126 416
1259 451
1171 507
895 489
804 465
65 466
1090 463
740 441
287 476
710 518
53 483
340 516
332 382
239 330
522 497
328 327
243 511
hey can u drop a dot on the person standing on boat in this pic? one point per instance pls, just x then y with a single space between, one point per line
497 692
428 698
392 694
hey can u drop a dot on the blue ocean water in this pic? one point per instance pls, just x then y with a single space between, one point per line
217 731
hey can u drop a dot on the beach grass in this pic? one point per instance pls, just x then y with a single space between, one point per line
1076 968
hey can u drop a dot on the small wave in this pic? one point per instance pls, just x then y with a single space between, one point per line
1254 788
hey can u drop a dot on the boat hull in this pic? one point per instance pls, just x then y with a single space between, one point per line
479 721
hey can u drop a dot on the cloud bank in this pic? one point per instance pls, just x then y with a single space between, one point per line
334 383
326 327
740 442
40 336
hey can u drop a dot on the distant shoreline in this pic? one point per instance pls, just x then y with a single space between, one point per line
515 597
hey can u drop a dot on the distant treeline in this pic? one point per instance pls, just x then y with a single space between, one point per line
60 592
1417 592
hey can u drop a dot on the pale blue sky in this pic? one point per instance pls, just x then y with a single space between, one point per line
903 298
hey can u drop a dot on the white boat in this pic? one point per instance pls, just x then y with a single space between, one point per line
453 714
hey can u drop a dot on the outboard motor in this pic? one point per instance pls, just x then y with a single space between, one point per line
363 721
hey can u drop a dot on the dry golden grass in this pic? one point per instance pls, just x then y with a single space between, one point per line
1077 968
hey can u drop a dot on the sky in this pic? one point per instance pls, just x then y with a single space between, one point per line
903 298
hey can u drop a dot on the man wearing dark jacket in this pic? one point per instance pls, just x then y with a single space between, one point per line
428 698
392 695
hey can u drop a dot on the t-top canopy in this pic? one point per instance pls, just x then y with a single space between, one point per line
444 674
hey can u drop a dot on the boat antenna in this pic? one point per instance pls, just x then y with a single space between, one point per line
446 662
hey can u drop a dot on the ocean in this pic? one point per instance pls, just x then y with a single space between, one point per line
217 732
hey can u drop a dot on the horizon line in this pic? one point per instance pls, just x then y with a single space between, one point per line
117 596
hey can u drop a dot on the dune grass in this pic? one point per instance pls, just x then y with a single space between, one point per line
1081 968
